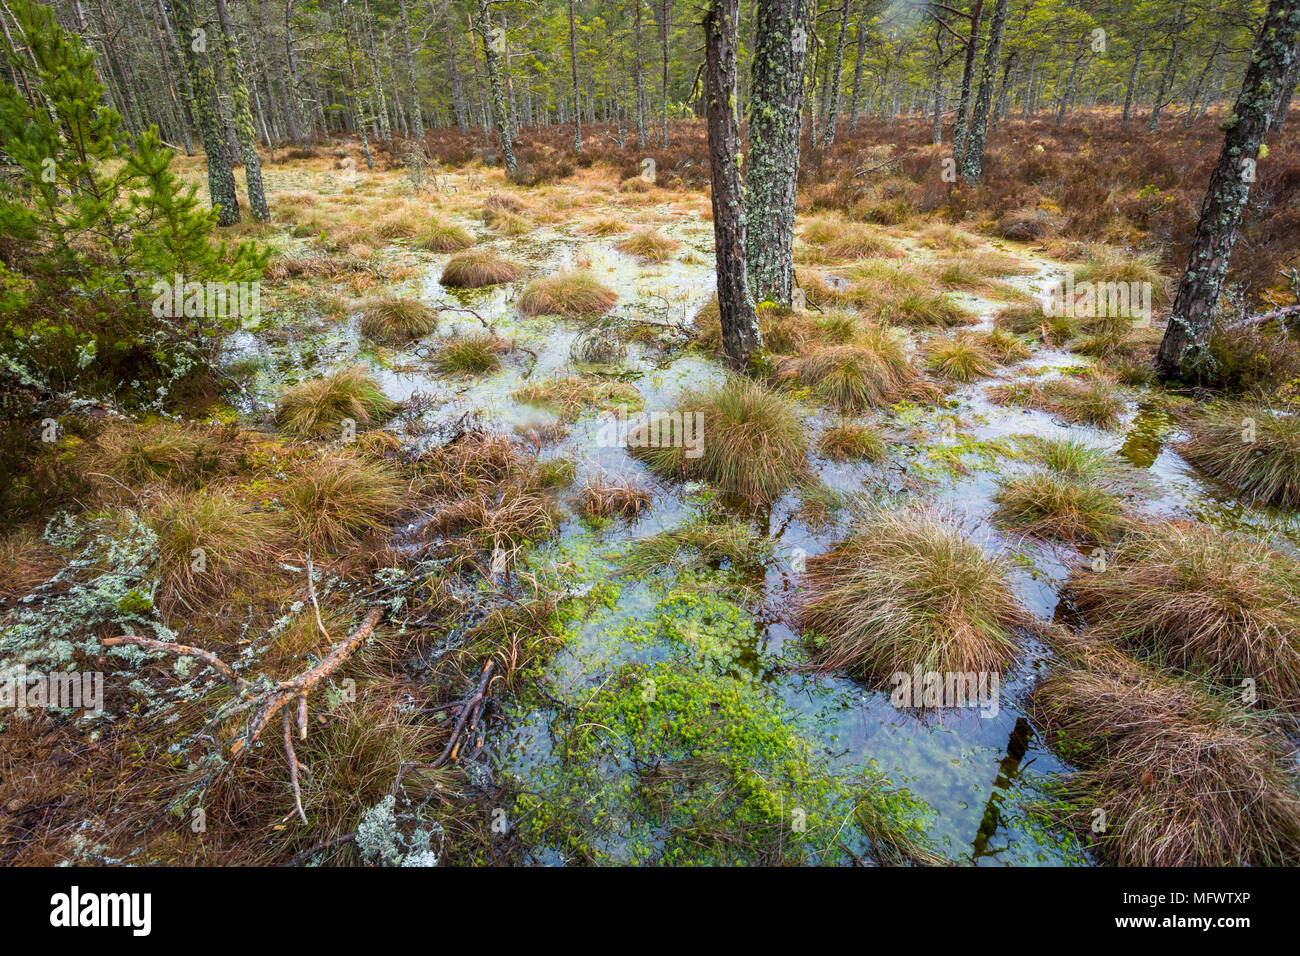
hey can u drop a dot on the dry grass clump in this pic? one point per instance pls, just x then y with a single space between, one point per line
1248 446
477 268
963 358
907 590
317 407
649 244
178 453
572 294
919 309
502 211
395 320
1219 604
475 354
1004 346
476 461
753 445
1185 778
850 441
857 242
603 226
1091 402
872 371
207 541
570 394
445 237
1104 264
1047 505
336 500
626 498
506 517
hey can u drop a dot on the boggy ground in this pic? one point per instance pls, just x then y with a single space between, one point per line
595 651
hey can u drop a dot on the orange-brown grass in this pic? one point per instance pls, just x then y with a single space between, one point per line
605 498
573 294
477 268
908 590
1216 603
1186 778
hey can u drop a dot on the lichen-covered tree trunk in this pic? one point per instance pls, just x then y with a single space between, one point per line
356 92
776 96
972 158
1191 318
665 31
736 309
836 67
642 133
967 81
496 85
197 51
936 80
243 117
417 115
573 65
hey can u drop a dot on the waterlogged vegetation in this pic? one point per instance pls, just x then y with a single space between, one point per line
473 547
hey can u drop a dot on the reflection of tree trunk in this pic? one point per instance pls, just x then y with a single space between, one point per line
1008 771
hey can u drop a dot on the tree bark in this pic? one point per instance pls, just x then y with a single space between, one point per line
967 81
496 86
1192 316
573 65
736 309
776 97
836 68
243 117
207 112
972 158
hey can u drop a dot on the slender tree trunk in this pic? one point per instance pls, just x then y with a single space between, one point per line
665 28
497 85
776 96
243 118
972 158
642 135
967 81
736 309
198 61
1195 95
573 66
1192 316
857 72
1132 83
836 68
1167 76
936 80
356 92
417 117
1278 119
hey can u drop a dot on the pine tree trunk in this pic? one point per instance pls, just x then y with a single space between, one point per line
1192 316
1167 76
243 117
207 111
972 158
1132 83
836 68
736 309
573 66
857 73
642 134
417 116
665 28
356 92
776 95
967 81
496 87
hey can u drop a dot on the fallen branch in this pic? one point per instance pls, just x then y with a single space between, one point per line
179 650
1279 314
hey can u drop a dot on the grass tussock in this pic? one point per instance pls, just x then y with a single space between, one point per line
1071 458
573 294
649 244
1248 446
605 498
1185 778
569 395
182 454
849 441
729 543
318 407
396 320
207 541
1221 605
445 237
477 268
871 372
476 354
335 501
752 444
907 590
1049 505
962 358
1091 402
